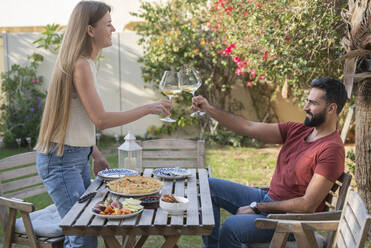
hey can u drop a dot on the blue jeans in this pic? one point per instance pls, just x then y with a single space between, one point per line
237 229
66 178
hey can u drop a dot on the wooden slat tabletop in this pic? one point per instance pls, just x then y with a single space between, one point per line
197 220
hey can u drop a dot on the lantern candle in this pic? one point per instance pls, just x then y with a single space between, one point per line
130 163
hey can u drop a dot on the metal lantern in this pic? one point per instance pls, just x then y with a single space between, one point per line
130 154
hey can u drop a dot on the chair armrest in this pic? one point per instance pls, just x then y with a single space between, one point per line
17 204
292 225
332 215
209 170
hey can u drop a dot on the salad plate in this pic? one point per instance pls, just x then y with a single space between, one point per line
121 216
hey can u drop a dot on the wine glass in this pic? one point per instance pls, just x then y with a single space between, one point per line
169 85
190 82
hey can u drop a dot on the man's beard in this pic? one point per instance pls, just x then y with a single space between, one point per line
316 120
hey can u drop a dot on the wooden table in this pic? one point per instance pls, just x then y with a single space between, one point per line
198 219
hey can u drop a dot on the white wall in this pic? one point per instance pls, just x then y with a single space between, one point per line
42 12
119 75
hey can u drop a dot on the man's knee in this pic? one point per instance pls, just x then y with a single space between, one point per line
230 227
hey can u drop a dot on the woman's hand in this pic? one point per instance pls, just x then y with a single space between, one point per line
99 165
99 161
161 107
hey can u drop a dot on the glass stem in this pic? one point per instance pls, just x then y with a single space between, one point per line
170 97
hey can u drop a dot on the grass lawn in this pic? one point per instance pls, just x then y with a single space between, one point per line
248 166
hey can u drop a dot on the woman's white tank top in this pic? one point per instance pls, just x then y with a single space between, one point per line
80 129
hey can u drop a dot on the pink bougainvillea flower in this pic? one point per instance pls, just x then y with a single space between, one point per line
249 83
258 5
224 42
215 27
220 52
253 73
228 10
236 59
228 50
264 57
261 78
242 64
247 37
239 72
287 38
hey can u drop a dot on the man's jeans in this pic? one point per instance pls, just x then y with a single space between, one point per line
66 178
237 229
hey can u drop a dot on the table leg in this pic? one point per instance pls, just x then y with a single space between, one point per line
128 241
141 241
111 242
305 239
170 241
279 240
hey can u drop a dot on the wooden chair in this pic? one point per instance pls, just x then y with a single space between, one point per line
351 229
182 153
19 180
334 201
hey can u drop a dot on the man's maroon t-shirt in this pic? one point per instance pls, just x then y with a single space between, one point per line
298 160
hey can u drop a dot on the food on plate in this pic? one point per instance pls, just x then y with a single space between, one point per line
169 198
135 185
114 207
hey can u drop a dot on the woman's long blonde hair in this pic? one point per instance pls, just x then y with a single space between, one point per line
76 42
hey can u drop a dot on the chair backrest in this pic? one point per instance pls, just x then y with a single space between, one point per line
18 176
354 223
183 153
339 192
336 198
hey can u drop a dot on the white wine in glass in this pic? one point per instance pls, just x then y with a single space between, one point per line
169 85
190 82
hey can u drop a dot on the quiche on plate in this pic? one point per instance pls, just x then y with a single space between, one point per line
135 185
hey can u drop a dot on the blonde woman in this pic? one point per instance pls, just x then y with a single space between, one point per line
73 109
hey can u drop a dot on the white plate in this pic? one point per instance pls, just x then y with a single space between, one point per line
171 173
106 216
133 195
112 174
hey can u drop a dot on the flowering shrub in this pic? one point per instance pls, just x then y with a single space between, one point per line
175 34
280 41
23 102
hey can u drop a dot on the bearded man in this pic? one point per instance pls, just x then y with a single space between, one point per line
310 161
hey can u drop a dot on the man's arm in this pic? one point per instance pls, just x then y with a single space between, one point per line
268 133
317 190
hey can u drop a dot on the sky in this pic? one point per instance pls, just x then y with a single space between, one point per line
43 12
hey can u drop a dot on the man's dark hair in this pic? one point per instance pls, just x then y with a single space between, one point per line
334 91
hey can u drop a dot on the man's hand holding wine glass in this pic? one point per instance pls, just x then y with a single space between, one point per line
199 103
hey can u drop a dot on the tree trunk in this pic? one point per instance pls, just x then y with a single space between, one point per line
363 142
